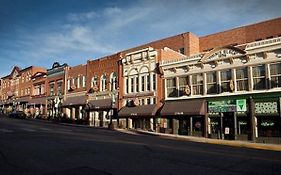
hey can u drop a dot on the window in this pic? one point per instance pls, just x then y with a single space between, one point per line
127 85
148 101
183 81
242 79
197 84
171 87
225 80
154 82
94 81
259 77
52 89
103 83
68 83
78 82
137 84
113 81
59 88
84 81
148 82
275 73
132 84
211 83
181 50
142 83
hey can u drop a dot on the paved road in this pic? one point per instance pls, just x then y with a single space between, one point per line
38 147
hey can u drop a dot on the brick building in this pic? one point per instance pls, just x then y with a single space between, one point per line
55 89
102 90
76 91
17 88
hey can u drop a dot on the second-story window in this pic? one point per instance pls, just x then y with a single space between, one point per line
94 81
154 82
143 83
259 77
84 81
212 83
78 82
171 87
59 88
197 84
113 81
68 84
242 79
183 81
103 83
148 82
132 84
275 75
52 91
225 80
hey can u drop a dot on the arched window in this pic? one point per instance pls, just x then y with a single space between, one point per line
113 81
94 81
103 82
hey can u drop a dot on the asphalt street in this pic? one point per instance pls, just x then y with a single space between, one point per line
42 147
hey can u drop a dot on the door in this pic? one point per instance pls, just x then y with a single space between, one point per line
228 125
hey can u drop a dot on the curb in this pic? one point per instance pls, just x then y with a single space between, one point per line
233 143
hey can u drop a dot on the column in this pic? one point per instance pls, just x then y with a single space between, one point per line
73 113
235 125
80 112
151 123
130 123
190 126
253 133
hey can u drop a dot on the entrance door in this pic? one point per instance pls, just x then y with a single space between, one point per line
228 125
184 126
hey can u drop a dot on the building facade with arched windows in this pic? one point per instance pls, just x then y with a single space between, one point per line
102 90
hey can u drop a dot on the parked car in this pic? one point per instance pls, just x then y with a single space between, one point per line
18 114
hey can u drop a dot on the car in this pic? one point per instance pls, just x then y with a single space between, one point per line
18 114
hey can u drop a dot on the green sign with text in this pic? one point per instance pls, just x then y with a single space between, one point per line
238 105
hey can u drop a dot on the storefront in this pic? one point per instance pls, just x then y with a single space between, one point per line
101 112
74 106
188 116
37 107
268 120
228 119
139 117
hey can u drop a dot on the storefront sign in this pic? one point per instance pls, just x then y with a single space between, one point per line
266 107
227 106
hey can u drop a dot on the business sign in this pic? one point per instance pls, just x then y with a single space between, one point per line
238 105
266 107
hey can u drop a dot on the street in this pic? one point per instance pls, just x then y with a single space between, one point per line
42 147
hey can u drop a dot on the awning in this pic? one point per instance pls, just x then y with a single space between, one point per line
23 99
138 111
74 101
103 104
37 101
184 107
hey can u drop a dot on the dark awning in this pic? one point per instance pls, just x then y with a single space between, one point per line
138 111
23 99
74 101
184 107
102 104
37 101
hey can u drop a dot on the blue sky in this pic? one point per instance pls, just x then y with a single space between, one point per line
40 32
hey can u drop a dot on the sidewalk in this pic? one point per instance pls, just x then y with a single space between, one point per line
234 143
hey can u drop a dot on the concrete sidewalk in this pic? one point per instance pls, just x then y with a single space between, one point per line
234 143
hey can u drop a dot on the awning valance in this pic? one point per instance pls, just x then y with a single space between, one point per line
37 101
138 111
184 107
23 99
102 104
74 101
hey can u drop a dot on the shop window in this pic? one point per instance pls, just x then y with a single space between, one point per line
171 87
275 75
212 83
183 82
197 84
242 79
259 77
225 81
